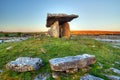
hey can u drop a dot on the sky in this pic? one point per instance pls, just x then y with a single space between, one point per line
30 15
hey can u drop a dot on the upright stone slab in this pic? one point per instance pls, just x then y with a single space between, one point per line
54 30
65 30
71 62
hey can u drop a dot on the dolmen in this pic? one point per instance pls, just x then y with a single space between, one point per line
59 26
23 64
71 62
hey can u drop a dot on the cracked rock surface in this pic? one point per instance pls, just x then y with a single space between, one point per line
71 62
23 64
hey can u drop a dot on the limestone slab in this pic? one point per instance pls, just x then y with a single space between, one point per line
23 64
71 62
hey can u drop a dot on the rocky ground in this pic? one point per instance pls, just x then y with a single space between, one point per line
33 59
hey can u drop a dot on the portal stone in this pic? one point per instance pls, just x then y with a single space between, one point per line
54 30
66 30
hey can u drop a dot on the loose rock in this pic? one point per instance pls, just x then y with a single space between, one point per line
1 71
1 41
55 75
112 77
117 62
23 64
90 77
9 48
15 39
101 65
42 76
42 50
71 62
115 70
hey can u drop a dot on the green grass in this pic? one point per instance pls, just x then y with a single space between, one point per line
105 54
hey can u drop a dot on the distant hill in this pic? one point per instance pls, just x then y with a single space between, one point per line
87 32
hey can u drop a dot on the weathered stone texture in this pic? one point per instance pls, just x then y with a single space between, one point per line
117 71
71 62
44 76
65 30
113 77
54 30
23 64
61 18
58 24
90 77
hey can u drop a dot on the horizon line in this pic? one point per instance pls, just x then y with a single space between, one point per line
70 30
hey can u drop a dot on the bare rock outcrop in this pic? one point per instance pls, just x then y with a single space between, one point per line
71 62
44 76
113 77
117 71
90 77
23 64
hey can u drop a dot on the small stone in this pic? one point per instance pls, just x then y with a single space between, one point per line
55 75
1 71
115 70
42 76
113 64
15 39
43 50
1 41
101 65
9 48
117 62
23 64
112 77
93 46
90 77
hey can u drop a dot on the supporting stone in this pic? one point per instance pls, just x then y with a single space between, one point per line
54 29
65 30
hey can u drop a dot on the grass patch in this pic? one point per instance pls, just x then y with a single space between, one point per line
55 47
